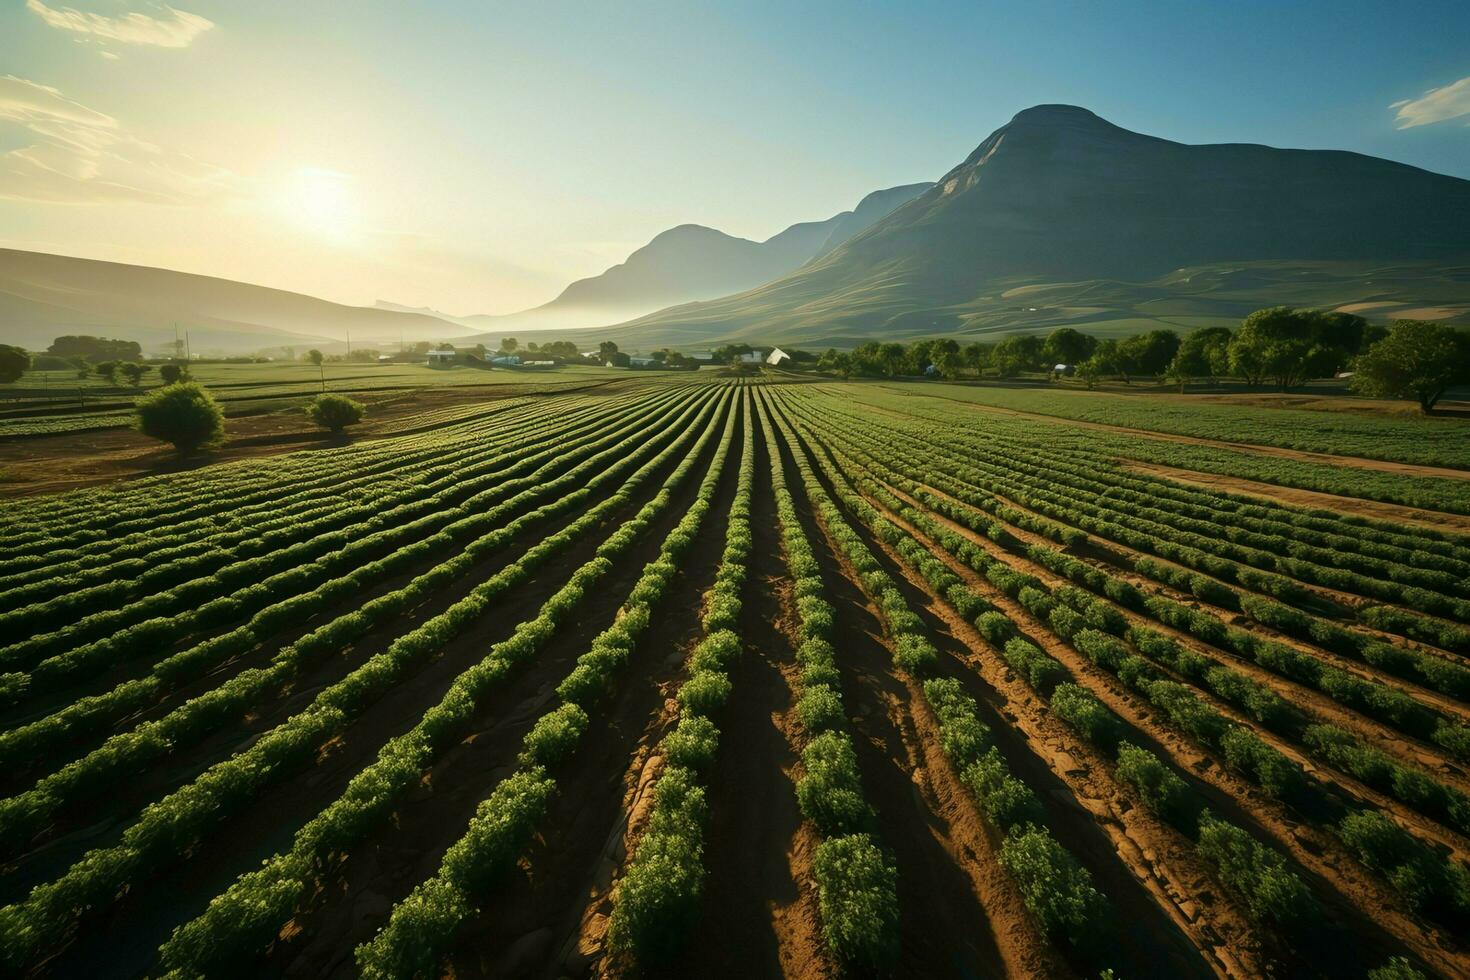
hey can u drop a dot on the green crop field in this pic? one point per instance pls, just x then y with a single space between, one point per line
52 402
679 671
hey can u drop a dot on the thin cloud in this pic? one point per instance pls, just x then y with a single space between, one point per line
77 155
177 29
1438 104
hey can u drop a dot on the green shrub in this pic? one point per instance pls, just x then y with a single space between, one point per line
1056 889
995 627
1271 890
704 693
857 893
335 412
1081 709
693 743
830 792
1162 791
184 414
1006 800
1274 772
820 710
1397 968
1038 669
1438 886
915 655
554 736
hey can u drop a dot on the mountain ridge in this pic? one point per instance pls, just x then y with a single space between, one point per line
1059 194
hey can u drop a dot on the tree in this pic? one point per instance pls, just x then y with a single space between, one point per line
1109 358
977 356
606 350
509 345
173 373
84 370
95 349
315 357
1291 346
1203 353
1089 371
335 412
183 414
834 361
1067 346
950 365
133 372
1016 354
107 371
14 362
1148 353
1417 359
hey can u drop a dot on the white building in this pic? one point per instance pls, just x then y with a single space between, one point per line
442 358
776 356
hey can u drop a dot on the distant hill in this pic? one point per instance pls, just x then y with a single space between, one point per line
692 262
43 296
1062 217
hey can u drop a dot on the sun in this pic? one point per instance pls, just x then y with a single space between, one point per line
322 201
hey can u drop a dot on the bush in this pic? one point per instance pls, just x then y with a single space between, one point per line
1271 890
1274 772
692 744
1163 792
335 412
1081 709
704 693
1397 968
830 793
820 710
554 736
857 891
1056 889
915 655
184 414
995 628
1006 800
656 902
1038 669
1435 885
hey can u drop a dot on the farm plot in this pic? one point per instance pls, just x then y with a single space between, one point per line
699 676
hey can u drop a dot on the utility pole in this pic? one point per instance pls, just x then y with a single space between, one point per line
349 341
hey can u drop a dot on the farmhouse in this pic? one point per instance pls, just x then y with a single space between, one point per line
776 356
442 358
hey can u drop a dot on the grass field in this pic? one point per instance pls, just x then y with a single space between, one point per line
694 675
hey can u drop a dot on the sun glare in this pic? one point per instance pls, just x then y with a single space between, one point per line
321 200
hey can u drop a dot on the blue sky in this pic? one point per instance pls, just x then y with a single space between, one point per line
476 157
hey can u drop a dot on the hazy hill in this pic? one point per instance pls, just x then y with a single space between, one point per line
692 262
42 296
1060 216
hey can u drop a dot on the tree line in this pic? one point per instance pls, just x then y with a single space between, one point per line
1282 346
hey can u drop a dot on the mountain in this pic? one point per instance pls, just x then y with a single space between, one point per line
692 262
43 296
1062 217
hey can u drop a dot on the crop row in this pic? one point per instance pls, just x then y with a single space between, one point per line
658 896
855 877
484 534
153 622
1407 783
421 926
1266 884
136 569
1427 882
167 828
